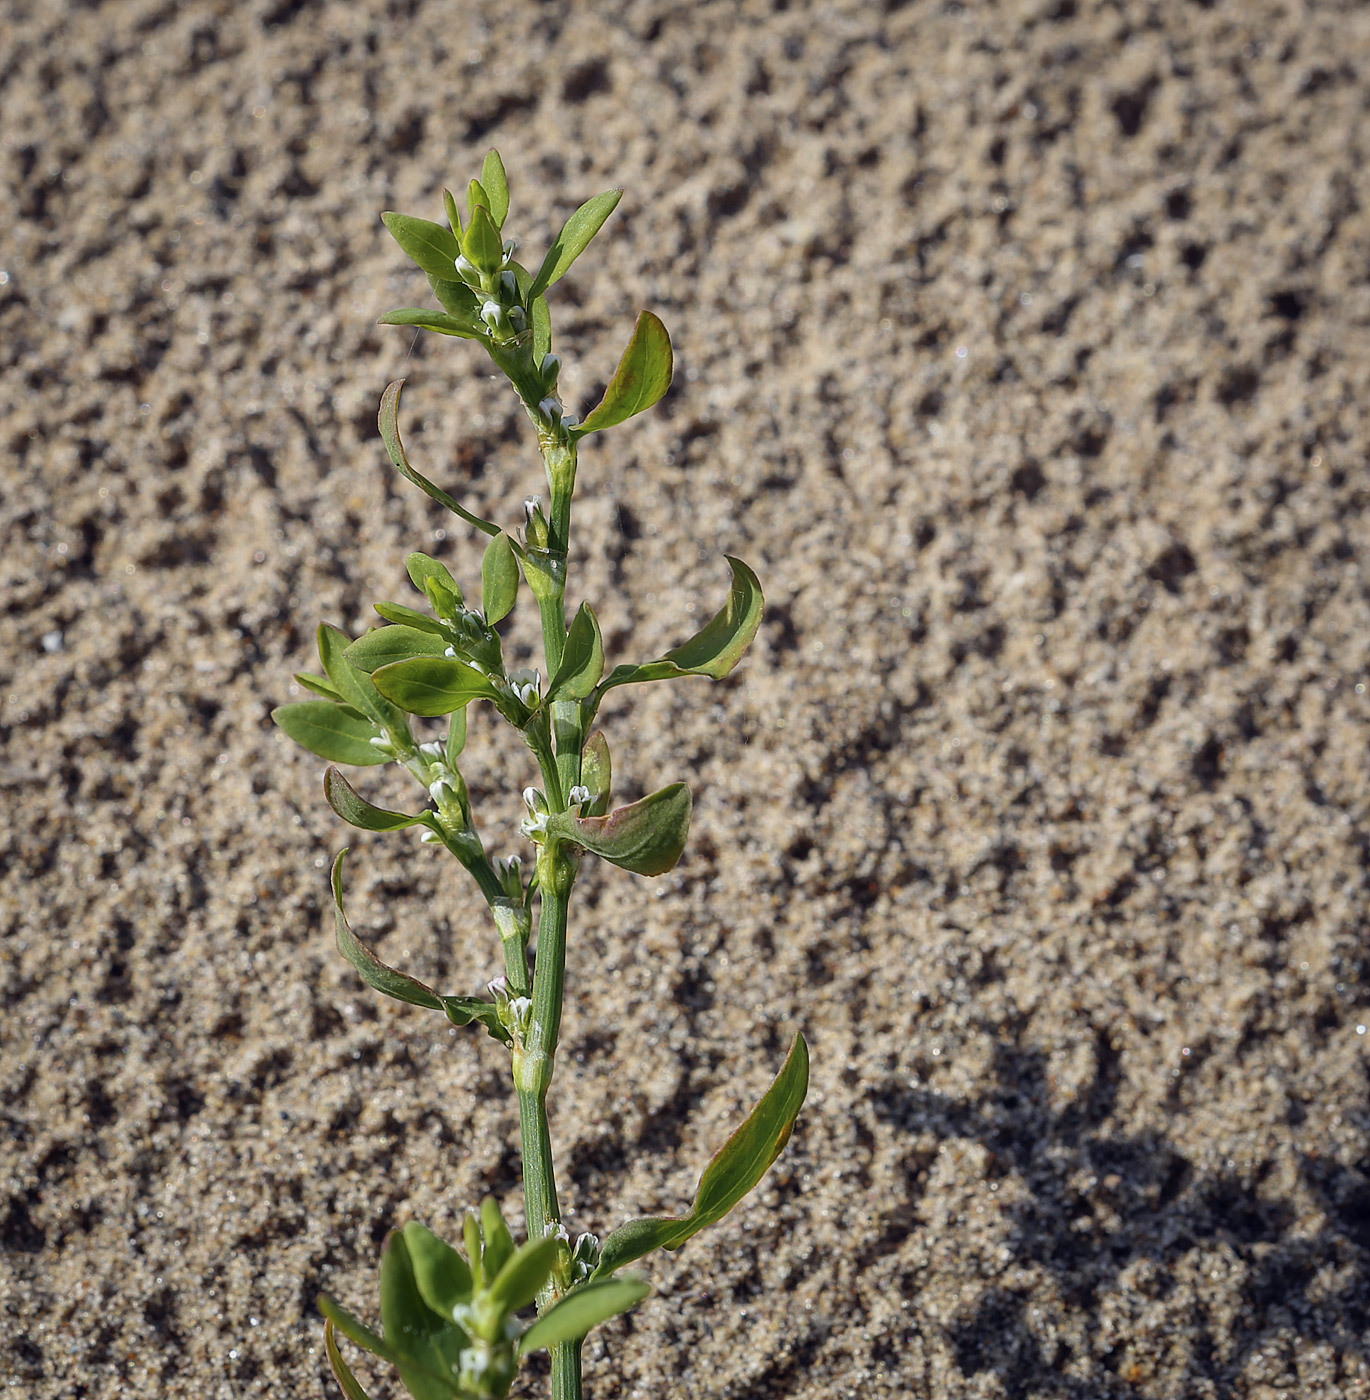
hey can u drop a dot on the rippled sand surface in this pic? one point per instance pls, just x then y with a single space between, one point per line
1024 350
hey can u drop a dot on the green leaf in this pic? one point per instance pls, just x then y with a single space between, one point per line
320 685
541 316
499 1243
573 239
524 1273
355 685
716 648
332 731
430 245
342 1372
449 204
422 567
596 773
430 1346
642 376
374 972
384 645
355 809
441 321
496 186
574 1315
461 1011
456 736
390 435
440 1273
476 198
409 617
499 576
482 243
432 685
582 661
645 837
460 300
737 1167
355 1330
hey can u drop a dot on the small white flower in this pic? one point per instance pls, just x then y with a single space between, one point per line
428 836
440 790
434 749
450 651
579 796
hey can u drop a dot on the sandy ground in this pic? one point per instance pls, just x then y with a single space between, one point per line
1024 350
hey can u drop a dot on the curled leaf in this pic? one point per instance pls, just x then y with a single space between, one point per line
342 1372
646 837
716 648
597 773
642 377
353 808
383 978
735 1169
388 422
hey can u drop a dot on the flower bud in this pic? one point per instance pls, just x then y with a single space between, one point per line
535 531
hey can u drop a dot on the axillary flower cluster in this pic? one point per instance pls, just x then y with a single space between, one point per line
456 1320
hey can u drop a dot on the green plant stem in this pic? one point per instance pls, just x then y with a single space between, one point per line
533 1068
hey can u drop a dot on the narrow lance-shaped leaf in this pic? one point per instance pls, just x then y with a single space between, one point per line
541 316
716 648
574 1315
342 1372
320 685
383 646
499 1243
574 238
582 659
332 731
481 242
642 377
430 1346
524 1273
353 808
443 322
354 685
355 1330
645 837
449 204
430 245
374 972
499 577
440 1273
495 183
737 1167
388 422
458 299
432 685
404 616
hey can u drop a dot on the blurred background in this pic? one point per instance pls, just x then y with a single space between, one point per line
1023 350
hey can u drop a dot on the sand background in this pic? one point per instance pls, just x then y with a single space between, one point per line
1024 350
